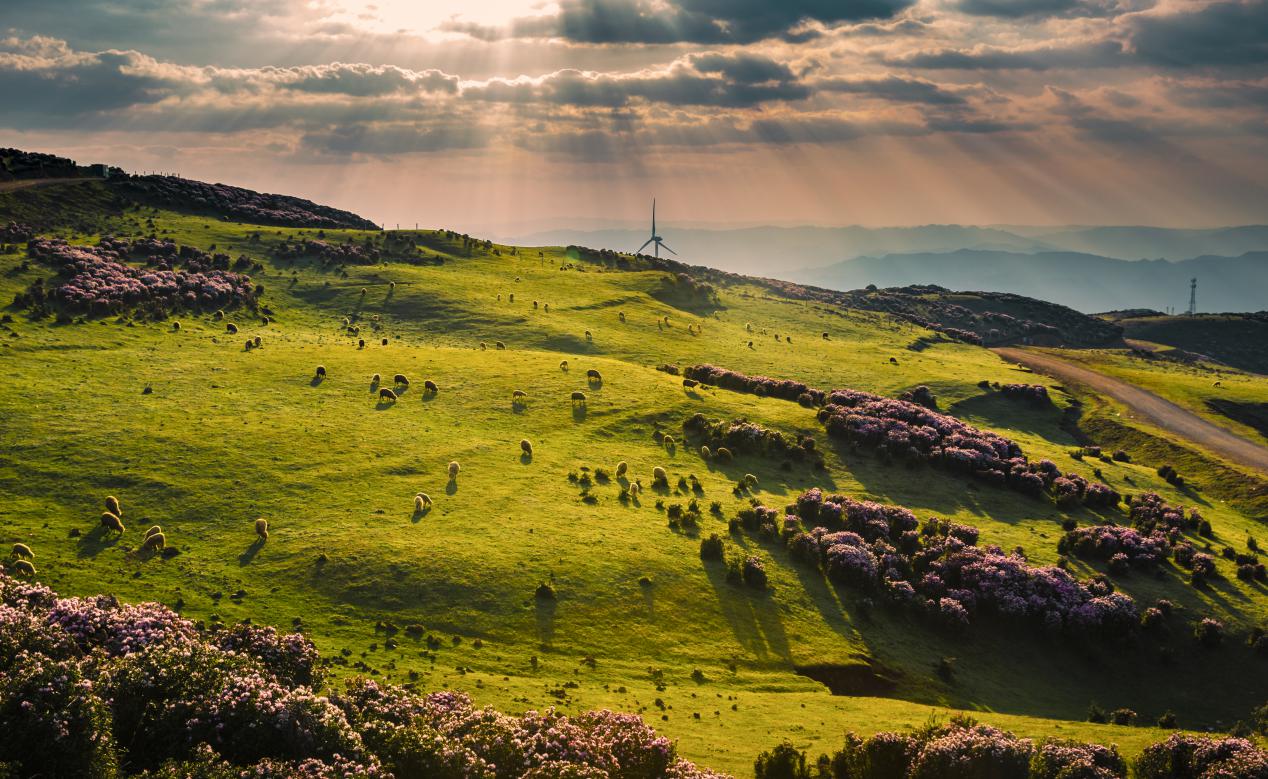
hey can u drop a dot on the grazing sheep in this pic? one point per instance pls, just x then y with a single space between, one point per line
22 550
511 297
593 375
111 522
400 379
621 468
499 297
748 326
249 345
499 345
893 360
666 320
750 344
563 365
375 379
231 328
690 383
659 476
383 342
776 336
391 285
705 452
634 489
483 346
1219 384
364 292
361 343
519 395
578 397
527 447
546 306
262 528
430 386
826 338
453 470
258 342
723 454
750 480
347 322
788 338
534 305
422 500
264 320
156 541
669 442
386 394
23 567
219 315
176 325
321 371
153 529
589 336
112 505
621 315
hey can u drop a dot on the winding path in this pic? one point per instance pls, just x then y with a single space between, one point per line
1147 406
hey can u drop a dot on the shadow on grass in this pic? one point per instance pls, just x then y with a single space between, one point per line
97 540
316 381
546 608
578 412
753 616
452 487
250 552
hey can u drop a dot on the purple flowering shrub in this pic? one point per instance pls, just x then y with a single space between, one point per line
96 279
329 253
1103 542
1076 760
940 569
785 389
16 232
240 204
1149 511
90 684
1184 756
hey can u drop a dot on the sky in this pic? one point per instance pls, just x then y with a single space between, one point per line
506 115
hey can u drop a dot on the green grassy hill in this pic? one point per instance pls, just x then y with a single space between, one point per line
194 432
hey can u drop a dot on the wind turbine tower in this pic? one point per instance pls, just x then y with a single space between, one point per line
656 239
1193 296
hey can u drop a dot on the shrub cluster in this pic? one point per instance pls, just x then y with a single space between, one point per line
96 279
329 253
921 396
91 687
16 232
938 569
241 204
1035 394
1120 546
785 389
1149 512
743 437
914 434
1184 755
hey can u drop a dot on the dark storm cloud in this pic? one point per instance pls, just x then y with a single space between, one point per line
1222 33
1077 55
685 21
895 88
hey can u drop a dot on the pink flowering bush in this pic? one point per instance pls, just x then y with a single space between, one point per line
1184 756
329 253
786 389
92 687
97 279
240 204
1103 542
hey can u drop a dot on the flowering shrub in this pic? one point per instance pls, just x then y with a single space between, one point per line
241 204
758 385
1104 542
329 253
16 232
1149 511
868 546
96 280
972 752
1075 760
1201 757
744 437
89 684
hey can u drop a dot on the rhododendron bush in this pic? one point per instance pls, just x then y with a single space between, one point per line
912 433
241 204
96 279
939 568
786 389
96 688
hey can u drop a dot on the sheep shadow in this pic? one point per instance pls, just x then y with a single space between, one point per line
429 396
452 487
594 384
374 387
420 514
316 381
96 541
250 552
526 458
384 405
579 412
518 406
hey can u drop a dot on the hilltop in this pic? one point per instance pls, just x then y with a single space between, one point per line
858 517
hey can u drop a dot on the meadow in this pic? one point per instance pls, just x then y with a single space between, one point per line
196 433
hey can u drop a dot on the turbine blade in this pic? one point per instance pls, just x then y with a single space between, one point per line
666 248
644 246
653 216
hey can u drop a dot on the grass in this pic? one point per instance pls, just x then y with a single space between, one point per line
227 435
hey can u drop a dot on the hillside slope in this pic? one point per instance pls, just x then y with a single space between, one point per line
194 430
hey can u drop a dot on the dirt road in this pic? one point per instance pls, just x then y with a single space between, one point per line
1148 406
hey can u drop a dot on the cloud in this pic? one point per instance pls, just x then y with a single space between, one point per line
685 21
1075 55
1023 9
1218 34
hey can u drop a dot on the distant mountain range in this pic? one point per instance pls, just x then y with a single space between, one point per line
1085 282
1087 268
759 249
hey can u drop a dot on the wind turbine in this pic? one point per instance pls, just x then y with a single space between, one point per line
656 239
